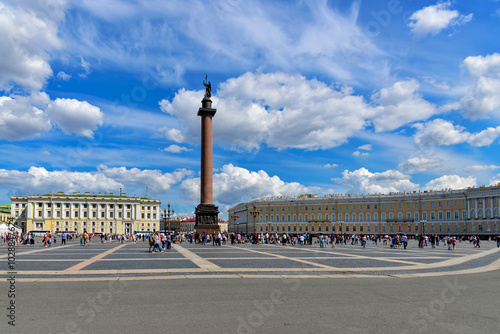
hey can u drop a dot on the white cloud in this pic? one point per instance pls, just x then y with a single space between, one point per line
434 19
366 147
303 36
85 66
174 135
485 137
27 36
363 181
495 180
399 105
481 66
483 97
289 111
451 182
235 184
419 165
358 153
37 180
279 109
73 116
330 165
441 132
155 180
63 76
480 168
23 117
176 149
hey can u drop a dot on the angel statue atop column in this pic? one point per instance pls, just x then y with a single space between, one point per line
208 87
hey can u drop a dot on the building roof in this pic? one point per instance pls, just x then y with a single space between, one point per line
87 194
5 208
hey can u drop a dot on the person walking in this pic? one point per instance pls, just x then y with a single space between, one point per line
404 240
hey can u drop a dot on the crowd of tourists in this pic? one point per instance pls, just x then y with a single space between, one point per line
161 241
395 241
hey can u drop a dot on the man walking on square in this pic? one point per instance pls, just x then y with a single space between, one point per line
404 239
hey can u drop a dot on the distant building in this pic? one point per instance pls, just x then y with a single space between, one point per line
187 225
104 213
4 212
471 211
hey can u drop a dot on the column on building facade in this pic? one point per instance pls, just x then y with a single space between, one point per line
475 213
29 210
492 207
468 208
484 207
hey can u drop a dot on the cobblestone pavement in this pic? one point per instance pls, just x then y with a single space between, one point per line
108 261
122 288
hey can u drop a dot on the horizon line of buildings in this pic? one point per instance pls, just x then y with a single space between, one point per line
101 213
471 211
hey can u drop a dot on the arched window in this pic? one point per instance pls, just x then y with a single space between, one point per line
488 213
480 213
495 212
472 214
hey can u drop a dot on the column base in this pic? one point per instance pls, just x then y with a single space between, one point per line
207 219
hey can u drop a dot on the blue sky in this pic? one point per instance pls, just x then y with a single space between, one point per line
312 96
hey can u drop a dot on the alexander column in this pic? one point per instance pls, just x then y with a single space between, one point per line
207 214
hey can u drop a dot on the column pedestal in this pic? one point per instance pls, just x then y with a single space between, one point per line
207 219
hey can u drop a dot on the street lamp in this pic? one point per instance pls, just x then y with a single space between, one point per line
254 213
423 221
235 217
166 215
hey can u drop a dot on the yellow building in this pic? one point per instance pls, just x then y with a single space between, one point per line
76 213
456 212
4 213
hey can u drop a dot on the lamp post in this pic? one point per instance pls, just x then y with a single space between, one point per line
254 214
341 222
166 215
235 217
423 221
